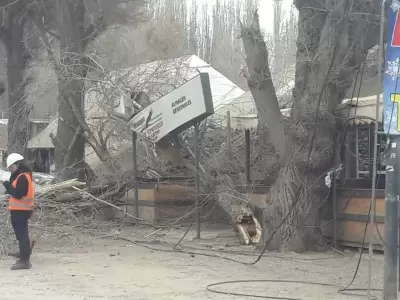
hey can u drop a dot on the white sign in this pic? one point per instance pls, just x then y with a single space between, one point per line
183 107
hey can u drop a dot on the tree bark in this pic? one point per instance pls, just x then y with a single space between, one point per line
12 35
261 85
73 131
332 42
70 142
277 38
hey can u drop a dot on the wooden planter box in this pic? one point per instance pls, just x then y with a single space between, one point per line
352 207
159 203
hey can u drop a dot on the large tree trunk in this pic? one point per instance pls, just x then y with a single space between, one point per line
299 188
330 49
70 142
73 131
17 62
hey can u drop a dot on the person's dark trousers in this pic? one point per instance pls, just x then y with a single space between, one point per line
19 221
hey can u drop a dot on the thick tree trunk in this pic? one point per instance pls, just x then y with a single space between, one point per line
299 189
70 141
17 61
299 231
73 131
331 47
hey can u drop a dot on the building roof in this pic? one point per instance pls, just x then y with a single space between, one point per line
160 77
4 134
43 139
244 105
362 110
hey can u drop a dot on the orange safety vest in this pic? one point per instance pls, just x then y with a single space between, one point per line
26 203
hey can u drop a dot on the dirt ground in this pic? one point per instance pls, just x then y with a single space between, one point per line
83 267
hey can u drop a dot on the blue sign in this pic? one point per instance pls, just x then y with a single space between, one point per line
391 82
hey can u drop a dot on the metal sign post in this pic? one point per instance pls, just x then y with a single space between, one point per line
135 175
247 155
173 113
197 176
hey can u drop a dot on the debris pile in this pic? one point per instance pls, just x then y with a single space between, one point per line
60 207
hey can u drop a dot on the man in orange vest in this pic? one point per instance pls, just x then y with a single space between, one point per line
21 201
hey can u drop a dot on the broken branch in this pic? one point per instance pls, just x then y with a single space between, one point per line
105 202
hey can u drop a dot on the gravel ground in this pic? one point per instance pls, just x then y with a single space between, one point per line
87 267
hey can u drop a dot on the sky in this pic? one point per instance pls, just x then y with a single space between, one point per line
266 11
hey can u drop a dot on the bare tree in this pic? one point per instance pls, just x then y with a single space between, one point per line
14 18
194 29
210 32
278 49
168 33
283 50
206 41
226 54
333 40
22 47
79 23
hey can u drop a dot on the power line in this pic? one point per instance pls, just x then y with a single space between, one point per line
211 286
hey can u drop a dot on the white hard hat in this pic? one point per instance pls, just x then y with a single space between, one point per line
13 158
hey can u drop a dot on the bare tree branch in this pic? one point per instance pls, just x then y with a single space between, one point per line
261 85
42 35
